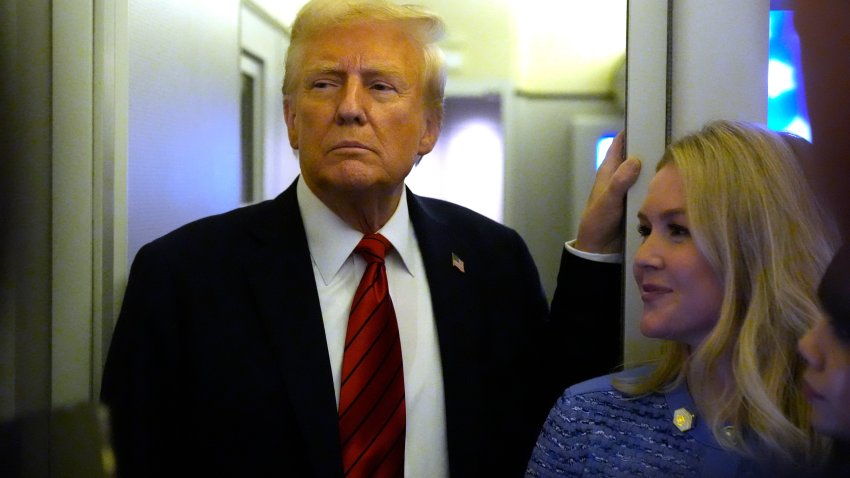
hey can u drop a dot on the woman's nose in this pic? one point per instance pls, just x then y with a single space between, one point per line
648 254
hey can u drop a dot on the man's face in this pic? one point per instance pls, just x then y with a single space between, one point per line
357 114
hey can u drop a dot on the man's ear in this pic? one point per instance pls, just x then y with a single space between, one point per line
430 135
289 117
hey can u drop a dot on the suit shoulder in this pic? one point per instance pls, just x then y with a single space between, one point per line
216 229
456 215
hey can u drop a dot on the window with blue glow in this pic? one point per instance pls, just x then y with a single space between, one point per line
786 104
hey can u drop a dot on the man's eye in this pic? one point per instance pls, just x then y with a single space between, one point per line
644 231
382 87
322 84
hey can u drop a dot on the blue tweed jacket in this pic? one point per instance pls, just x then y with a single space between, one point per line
595 430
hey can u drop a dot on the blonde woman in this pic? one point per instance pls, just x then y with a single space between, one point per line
734 245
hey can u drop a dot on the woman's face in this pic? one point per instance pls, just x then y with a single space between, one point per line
826 382
681 292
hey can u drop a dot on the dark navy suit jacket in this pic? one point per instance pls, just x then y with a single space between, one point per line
219 365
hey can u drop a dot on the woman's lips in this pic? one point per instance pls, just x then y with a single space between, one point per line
649 292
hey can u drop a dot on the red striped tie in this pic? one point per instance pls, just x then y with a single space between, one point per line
371 397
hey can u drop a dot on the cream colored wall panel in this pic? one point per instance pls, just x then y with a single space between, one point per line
72 212
184 150
267 44
569 46
646 133
720 58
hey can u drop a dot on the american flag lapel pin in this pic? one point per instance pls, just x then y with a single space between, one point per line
457 263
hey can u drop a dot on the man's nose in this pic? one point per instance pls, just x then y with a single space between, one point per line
351 107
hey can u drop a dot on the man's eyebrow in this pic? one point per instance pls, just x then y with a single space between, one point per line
371 71
323 70
383 70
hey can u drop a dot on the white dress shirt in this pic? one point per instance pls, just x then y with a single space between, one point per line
337 270
613 258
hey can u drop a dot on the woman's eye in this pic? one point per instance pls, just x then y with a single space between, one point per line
679 231
644 231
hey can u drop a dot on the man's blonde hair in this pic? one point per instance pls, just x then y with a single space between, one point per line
424 28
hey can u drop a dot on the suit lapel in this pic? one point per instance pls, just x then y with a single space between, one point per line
280 275
459 331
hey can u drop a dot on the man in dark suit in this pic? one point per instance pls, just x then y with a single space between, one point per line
226 359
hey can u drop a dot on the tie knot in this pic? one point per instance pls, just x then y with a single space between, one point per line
373 248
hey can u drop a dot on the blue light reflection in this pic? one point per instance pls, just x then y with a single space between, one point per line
602 145
786 104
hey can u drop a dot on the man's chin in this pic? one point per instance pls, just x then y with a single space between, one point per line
355 185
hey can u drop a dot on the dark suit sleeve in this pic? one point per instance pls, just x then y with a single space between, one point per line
218 365
140 380
577 338
583 337
518 380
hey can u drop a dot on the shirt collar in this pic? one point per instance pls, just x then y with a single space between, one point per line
331 240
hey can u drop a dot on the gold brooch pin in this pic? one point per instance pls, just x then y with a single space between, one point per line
683 419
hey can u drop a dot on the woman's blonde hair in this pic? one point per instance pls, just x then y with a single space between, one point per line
756 220
423 27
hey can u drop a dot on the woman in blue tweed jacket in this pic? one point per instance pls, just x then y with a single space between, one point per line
734 244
